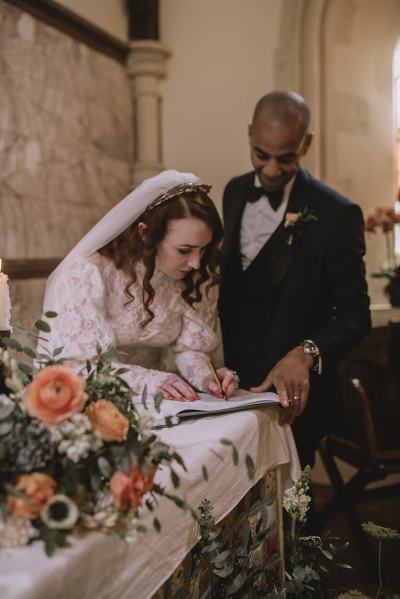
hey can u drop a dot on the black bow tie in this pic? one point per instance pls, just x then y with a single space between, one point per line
274 197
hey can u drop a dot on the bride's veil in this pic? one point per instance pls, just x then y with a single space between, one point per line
116 221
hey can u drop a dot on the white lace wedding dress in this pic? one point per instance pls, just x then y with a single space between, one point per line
92 309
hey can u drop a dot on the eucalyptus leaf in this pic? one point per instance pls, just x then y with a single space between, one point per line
327 554
250 466
144 397
5 427
299 573
43 326
235 455
29 352
6 410
125 464
174 479
344 565
224 572
158 399
324 568
157 525
95 481
27 368
50 314
178 458
105 467
237 584
205 473
211 547
221 557
57 351
11 343
225 441
141 528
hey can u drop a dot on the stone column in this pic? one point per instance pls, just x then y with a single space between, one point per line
146 66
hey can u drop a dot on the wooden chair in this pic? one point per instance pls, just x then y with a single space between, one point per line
362 450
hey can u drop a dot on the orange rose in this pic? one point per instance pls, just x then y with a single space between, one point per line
107 420
291 218
55 394
128 490
38 488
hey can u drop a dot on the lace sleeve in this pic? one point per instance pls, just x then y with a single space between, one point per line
82 324
197 339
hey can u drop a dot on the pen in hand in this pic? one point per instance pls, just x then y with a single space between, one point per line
216 377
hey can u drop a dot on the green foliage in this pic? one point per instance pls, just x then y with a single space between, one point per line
229 551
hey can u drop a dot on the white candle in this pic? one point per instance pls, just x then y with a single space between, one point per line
5 303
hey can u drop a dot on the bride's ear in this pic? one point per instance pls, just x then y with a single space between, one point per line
142 228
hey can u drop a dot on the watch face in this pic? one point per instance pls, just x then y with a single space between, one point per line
310 348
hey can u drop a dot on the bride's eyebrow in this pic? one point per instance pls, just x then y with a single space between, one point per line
193 247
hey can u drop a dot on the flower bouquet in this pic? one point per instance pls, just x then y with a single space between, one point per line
75 454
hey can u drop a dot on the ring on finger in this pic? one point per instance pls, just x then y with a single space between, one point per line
296 397
236 377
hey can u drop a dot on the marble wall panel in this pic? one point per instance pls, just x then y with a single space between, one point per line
65 140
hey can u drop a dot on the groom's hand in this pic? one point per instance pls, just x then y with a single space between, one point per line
291 379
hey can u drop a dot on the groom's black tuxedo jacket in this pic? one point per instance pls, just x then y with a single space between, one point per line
307 282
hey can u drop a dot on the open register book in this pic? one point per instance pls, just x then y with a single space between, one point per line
208 405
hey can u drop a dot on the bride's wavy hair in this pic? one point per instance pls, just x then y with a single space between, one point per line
129 248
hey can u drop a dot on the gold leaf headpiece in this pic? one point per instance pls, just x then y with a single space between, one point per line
177 191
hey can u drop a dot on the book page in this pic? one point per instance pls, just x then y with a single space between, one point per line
210 404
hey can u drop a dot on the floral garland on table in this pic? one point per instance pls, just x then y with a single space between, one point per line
74 451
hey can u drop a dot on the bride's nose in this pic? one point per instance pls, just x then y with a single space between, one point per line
194 261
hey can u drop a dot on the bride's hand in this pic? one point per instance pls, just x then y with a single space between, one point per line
229 382
173 387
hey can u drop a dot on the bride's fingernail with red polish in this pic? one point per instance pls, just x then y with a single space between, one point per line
218 392
193 398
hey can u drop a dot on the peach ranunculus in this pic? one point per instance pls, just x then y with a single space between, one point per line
107 420
128 490
38 488
55 394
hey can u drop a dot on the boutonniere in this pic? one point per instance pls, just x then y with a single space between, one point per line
294 221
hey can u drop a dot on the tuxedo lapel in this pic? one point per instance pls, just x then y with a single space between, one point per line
279 251
234 216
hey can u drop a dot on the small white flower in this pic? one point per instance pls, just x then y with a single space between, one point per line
111 520
5 400
60 512
73 453
146 422
16 532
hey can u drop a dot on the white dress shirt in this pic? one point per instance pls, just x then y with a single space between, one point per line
259 222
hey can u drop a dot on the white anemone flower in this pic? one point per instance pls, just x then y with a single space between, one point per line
60 512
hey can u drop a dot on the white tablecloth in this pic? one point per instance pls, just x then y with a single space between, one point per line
102 567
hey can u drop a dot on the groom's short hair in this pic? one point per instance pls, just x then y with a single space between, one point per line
284 107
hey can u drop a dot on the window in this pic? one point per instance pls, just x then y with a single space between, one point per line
396 113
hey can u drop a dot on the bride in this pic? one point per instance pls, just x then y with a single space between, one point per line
144 279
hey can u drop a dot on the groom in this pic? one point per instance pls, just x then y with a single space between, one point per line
293 295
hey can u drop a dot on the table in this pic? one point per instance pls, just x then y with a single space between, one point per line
101 567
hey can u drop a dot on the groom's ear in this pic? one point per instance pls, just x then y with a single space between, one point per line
142 228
